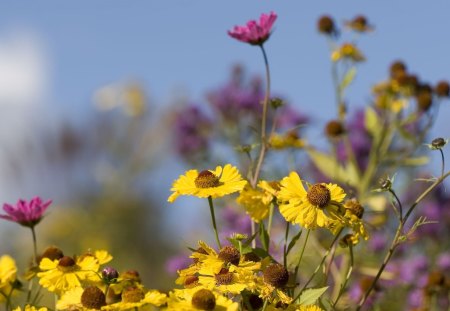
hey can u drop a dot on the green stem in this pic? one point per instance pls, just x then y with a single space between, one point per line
266 302
286 236
396 241
301 256
347 277
443 162
319 266
35 259
262 151
399 203
213 217
269 224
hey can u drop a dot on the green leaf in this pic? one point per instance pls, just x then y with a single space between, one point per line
348 78
372 123
326 304
293 241
417 161
261 253
310 296
330 167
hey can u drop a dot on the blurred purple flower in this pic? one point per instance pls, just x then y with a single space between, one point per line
176 263
377 242
255 32
288 117
191 131
25 213
412 269
236 98
234 222
443 261
359 139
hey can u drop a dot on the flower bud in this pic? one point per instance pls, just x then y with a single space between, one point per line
442 89
110 275
325 25
438 143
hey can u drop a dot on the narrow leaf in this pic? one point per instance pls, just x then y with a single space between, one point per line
310 296
293 241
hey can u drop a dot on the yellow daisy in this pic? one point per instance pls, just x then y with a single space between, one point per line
91 298
135 298
273 282
8 271
199 299
287 140
295 307
348 51
352 219
66 273
208 183
31 308
310 208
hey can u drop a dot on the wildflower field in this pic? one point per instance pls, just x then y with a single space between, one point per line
356 220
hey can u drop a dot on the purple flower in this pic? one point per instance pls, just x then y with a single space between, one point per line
254 32
27 214
191 131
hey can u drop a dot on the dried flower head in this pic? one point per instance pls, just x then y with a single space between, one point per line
326 25
93 298
442 89
334 129
276 275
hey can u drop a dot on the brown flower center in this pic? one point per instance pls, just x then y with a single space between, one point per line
191 281
204 299
206 179
319 195
230 254
66 264
93 298
355 208
224 277
276 275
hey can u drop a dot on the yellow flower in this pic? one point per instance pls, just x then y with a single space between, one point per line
288 140
8 271
352 219
66 273
135 298
208 183
199 298
295 308
312 208
31 308
347 51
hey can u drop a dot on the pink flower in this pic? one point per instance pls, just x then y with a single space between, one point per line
26 213
255 33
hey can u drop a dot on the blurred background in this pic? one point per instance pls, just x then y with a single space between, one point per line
91 94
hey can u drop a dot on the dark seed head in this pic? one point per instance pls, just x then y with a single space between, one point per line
334 128
325 25
319 195
230 254
276 275
224 277
398 69
442 89
438 143
52 253
355 208
93 298
206 179
204 299
66 261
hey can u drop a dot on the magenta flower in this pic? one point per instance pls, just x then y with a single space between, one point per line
255 33
27 214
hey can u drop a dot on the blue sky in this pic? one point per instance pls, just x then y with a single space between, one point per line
182 45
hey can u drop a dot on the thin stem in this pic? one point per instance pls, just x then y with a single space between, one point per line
253 228
34 245
347 277
286 236
319 266
269 224
301 256
213 217
399 203
262 151
443 162
266 302
398 233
